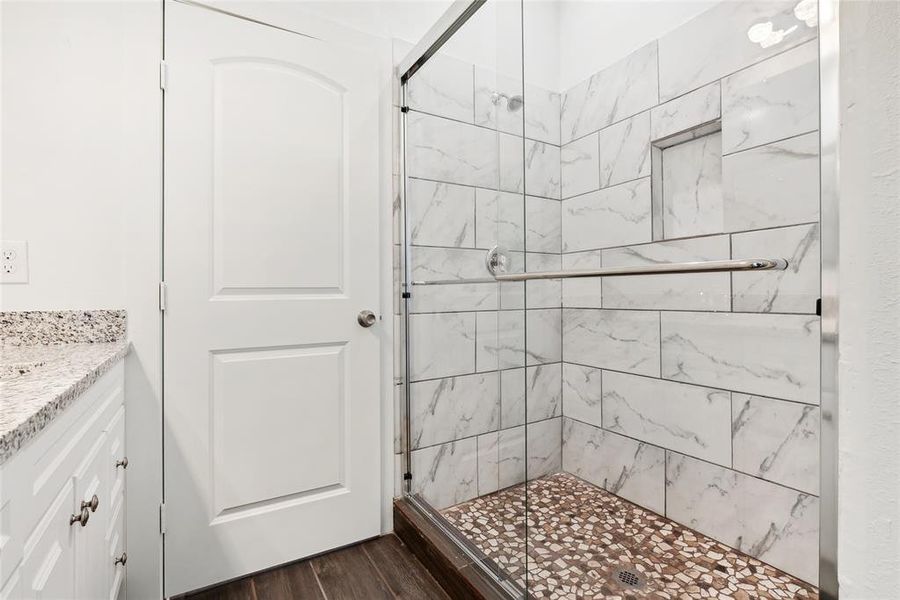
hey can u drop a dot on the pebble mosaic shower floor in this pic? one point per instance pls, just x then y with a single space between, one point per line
585 543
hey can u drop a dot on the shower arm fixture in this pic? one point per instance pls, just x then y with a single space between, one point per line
497 262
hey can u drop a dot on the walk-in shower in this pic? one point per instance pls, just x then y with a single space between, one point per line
610 268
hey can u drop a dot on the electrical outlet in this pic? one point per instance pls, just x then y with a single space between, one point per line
13 262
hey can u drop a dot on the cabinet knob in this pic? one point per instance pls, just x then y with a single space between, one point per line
121 560
122 463
83 518
93 504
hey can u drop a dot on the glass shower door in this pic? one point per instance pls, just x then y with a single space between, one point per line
466 374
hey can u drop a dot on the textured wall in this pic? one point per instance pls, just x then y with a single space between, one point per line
869 482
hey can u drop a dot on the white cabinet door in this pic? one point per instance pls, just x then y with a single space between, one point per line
48 565
91 485
272 436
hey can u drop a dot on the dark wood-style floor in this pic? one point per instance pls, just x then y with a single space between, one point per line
382 568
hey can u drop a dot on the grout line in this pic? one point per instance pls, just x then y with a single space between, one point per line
517 135
771 143
694 237
318 581
708 387
475 435
377 570
697 458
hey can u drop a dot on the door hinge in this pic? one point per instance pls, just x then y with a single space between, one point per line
162 518
163 75
163 296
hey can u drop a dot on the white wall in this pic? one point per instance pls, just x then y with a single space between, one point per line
63 138
81 182
869 462
595 34
403 19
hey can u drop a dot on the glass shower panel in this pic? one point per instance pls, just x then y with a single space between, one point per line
465 195
672 420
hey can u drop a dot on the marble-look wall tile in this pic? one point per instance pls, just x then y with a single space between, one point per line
444 87
615 93
773 100
582 393
512 397
543 293
770 355
687 112
434 264
444 150
512 294
441 214
499 219
580 166
628 468
690 419
497 115
794 290
581 293
543 331
543 391
544 448
541 114
773 185
488 462
443 410
543 230
692 187
775 524
446 474
715 43
621 340
615 216
454 297
442 345
624 150
777 440
500 340
702 291
512 456
511 160
541 169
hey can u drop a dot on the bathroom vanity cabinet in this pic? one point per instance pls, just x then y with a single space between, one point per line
62 502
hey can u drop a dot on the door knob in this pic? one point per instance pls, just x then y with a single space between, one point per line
121 560
366 318
122 463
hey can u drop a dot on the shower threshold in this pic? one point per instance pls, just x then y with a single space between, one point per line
584 542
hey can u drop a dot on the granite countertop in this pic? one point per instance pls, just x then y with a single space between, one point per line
45 366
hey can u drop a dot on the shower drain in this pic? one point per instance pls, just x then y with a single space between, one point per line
629 578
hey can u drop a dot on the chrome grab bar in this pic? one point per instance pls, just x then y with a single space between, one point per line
710 266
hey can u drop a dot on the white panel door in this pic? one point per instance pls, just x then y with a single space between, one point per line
272 414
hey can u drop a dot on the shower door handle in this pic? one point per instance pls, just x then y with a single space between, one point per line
366 318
